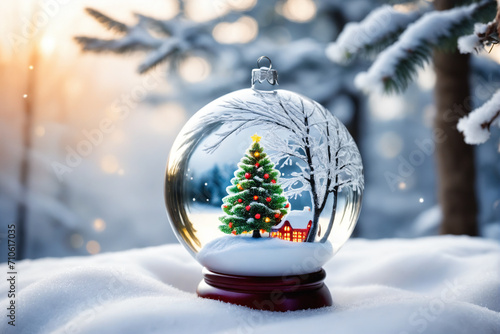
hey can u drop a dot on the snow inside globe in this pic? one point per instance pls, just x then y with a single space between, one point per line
263 182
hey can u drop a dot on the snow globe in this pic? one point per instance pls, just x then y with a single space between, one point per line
263 187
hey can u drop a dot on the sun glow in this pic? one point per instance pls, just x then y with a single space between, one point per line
47 45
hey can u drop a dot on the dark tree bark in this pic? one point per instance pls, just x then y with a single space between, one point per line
256 234
454 158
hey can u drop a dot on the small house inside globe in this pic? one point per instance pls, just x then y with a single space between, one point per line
263 183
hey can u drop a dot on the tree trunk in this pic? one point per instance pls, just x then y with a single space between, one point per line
314 226
332 218
454 158
256 234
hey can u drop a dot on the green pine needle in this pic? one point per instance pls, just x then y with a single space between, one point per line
252 194
107 21
406 68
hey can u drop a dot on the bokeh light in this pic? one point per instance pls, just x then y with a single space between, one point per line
194 69
93 247
387 107
39 131
390 144
169 118
76 240
241 4
426 78
109 164
171 10
299 10
406 7
202 10
99 225
242 31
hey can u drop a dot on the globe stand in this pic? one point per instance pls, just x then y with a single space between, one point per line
274 293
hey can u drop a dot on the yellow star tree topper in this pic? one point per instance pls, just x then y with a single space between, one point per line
256 138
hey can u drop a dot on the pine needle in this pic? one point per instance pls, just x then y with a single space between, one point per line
106 21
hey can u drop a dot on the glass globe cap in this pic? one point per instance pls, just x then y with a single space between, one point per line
263 183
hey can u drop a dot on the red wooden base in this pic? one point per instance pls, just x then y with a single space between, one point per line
276 293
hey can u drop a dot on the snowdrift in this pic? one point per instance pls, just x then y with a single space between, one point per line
431 285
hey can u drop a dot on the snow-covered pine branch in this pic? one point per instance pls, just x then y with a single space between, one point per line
485 35
473 42
133 38
476 125
161 54
378 30
396 66
107 21
179 36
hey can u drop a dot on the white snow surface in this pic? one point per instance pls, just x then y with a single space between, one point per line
433 285
244 255
428 29
470 125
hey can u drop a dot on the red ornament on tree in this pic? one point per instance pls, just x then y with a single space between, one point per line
273 181
230 225
287 205
224 206
277 215
240 200
268 199
257 165
248 175
257 216
233 232
266 176
255 198
248 208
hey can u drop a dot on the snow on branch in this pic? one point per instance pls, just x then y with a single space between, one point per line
177 36
134 37
107 21
379 29
484 35
470 43
396 66
476 125
167 48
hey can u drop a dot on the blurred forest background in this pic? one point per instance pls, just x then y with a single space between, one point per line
84 136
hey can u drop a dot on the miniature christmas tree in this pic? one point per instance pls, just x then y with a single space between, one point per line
255 200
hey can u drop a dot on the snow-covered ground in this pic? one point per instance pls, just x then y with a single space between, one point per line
429 285
241 255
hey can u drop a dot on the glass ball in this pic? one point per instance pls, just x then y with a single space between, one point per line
263 183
